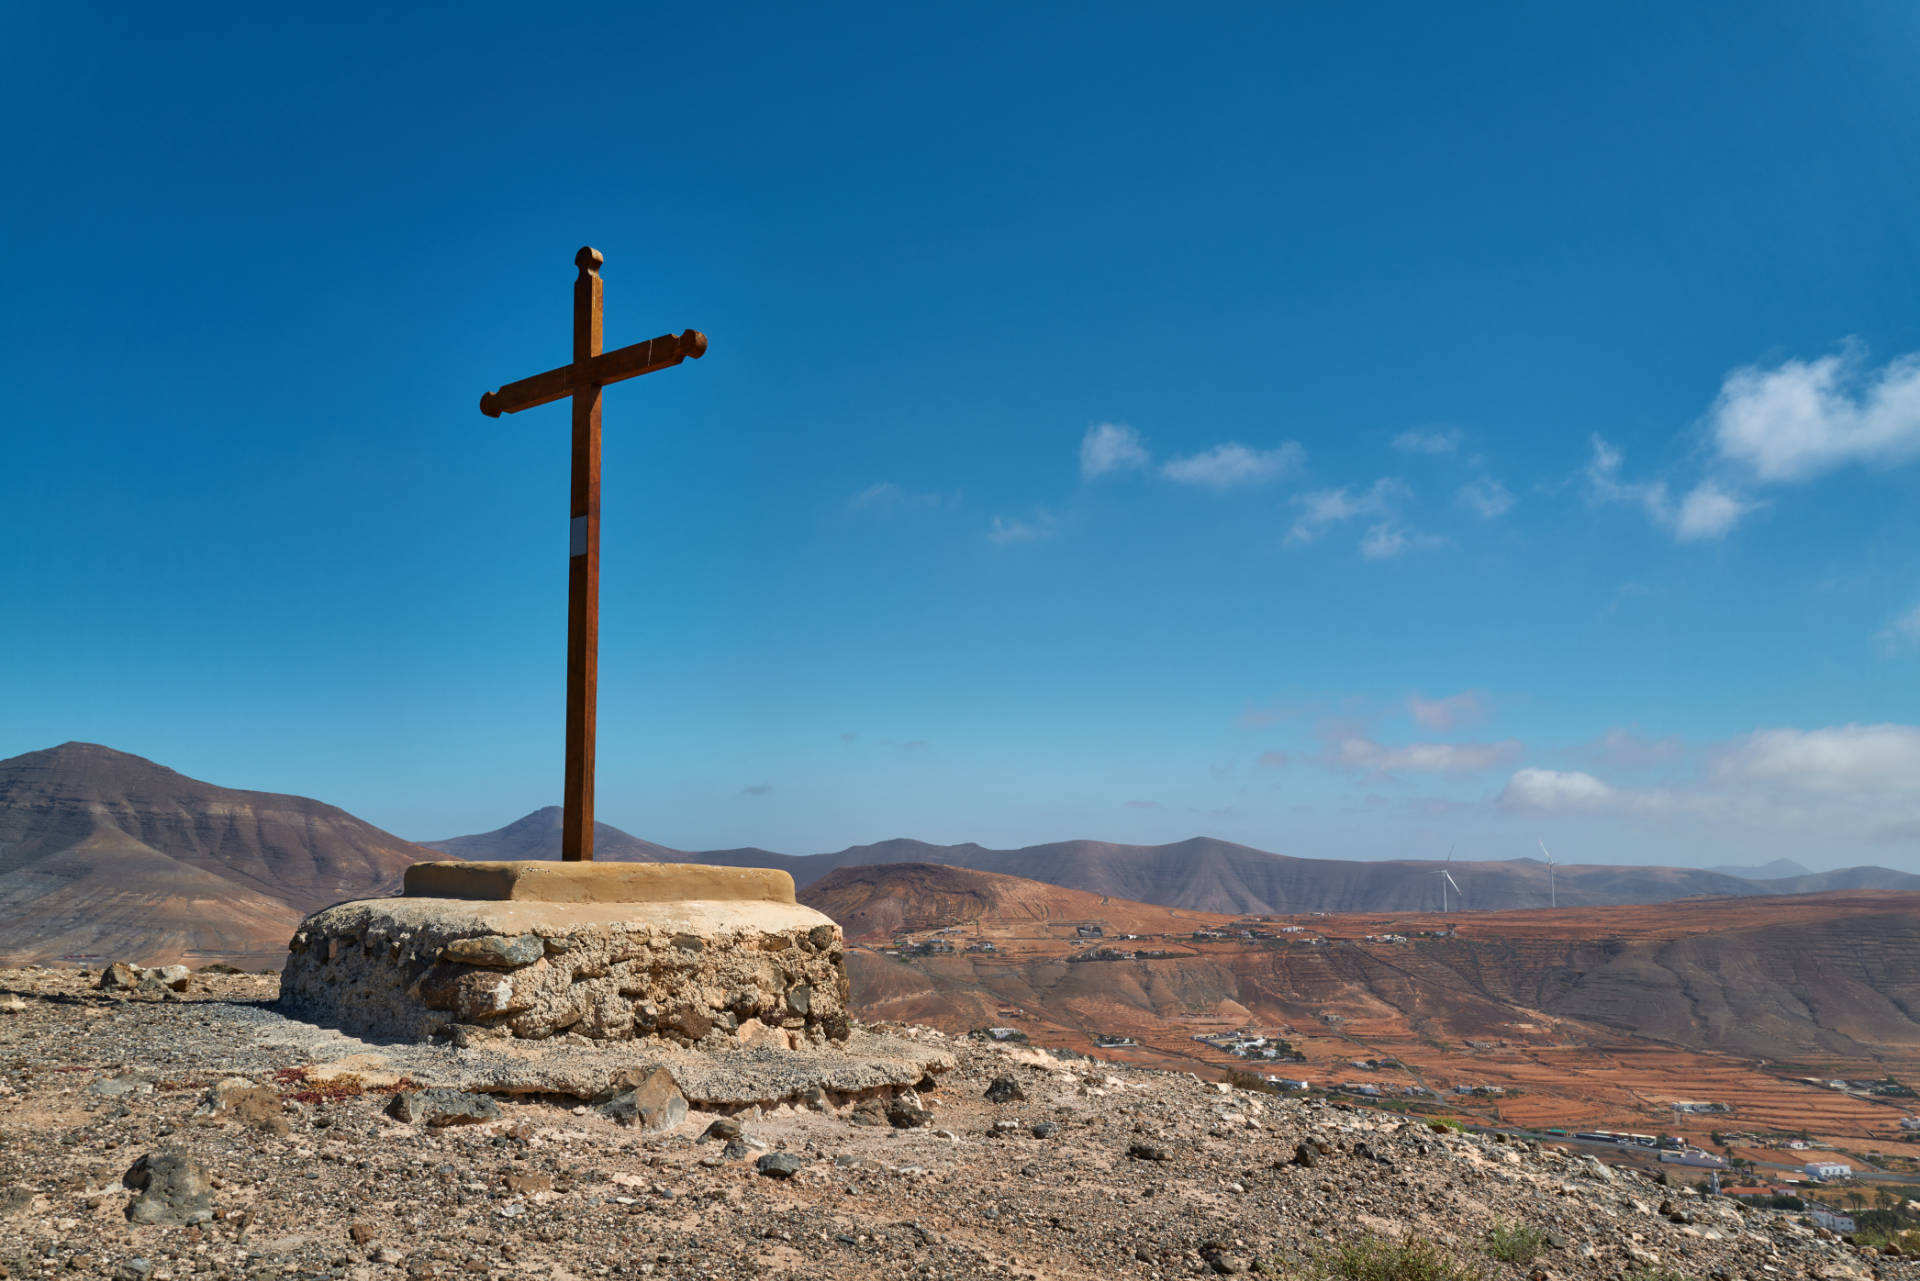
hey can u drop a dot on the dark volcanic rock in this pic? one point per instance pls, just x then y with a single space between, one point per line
173 1190
1004 1089
779 1165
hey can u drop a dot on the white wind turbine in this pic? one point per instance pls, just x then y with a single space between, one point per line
1446 879
1552 899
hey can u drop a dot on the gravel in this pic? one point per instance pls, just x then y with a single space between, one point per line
268 1154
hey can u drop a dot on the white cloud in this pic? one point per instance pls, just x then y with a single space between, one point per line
1849 759
1552 789
1902 633
1604 483
1443 714
1321 509
1428 442
1012 529
1820 787
1787 424
1110 447
1709 511
1357 752
1230 465
1485 497
1803 418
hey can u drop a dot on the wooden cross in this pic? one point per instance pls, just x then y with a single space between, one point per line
591 370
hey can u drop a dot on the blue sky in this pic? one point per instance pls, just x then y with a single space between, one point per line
1347 430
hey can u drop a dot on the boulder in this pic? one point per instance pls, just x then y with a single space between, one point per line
440 1108
654 1106
173 1190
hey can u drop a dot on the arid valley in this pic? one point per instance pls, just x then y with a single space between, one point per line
1591 1018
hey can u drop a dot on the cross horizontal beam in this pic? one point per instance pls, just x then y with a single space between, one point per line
663 352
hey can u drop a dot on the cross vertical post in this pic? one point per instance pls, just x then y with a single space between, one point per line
583 569
582 380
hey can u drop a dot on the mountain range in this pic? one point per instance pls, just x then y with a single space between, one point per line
1208 875
104 853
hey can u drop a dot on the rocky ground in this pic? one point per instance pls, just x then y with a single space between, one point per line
151 1133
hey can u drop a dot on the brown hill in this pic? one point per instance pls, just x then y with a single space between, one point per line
875 903
538 836
102 851
1617 1003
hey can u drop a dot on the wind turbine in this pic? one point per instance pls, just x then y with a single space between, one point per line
1552 899
1446 879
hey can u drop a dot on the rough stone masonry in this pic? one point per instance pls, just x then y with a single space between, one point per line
546 954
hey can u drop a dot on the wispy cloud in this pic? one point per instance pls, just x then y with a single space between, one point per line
1354 751
1273 760
1444 714
1013 529
1485 497
1900 634
1254 717
1145 805
887 496
1111 447
1232 465
1386 540
1428 442
1708 511
1321 509
756 789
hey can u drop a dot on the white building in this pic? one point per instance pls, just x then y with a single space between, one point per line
1827 1170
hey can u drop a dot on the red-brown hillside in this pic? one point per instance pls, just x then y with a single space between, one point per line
107 853
876 903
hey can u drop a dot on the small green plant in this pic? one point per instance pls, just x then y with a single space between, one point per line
1378 1259
1515 1242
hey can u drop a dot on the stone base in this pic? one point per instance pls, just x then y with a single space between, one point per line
718 975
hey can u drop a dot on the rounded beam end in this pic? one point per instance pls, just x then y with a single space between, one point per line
589 260
489 405
693 344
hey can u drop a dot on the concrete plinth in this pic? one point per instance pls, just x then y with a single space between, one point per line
606 951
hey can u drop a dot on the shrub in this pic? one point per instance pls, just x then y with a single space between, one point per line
1515 1243
1376 1259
